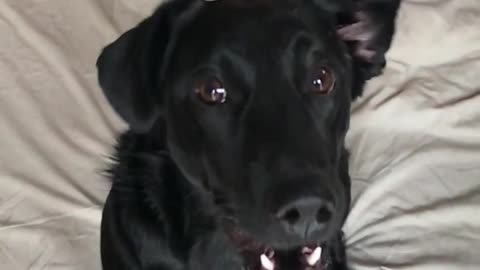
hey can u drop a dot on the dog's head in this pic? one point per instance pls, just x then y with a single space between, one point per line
255 96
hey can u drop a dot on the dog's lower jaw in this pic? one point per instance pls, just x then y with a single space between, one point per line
215 251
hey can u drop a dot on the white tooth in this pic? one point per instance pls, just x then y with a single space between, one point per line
313 258
266 262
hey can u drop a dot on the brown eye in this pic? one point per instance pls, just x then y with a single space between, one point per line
323 81
211 92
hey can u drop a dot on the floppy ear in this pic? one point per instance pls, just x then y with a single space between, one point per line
129 68
368 29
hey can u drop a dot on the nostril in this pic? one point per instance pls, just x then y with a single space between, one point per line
313 213
323 215
291 216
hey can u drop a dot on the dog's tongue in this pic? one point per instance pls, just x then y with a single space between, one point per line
311 257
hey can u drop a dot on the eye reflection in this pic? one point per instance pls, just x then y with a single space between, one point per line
211 92
323 81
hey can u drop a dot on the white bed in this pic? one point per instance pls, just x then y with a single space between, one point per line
415 137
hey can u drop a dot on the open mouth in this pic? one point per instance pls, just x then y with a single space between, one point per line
259 256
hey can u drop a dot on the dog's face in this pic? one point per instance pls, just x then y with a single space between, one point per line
257 108
255 97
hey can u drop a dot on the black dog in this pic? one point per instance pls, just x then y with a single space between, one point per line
238 111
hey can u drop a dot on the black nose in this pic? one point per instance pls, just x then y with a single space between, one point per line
306 216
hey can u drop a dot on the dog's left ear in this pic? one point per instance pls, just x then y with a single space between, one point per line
126 76
129 69
368 29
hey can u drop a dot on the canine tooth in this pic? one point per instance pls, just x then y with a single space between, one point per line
314 257
266 262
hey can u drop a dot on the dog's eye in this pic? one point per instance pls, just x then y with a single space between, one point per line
323 81
211 91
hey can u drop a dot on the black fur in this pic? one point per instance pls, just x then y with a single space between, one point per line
187 171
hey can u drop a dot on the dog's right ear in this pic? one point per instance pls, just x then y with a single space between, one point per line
367 27
129 68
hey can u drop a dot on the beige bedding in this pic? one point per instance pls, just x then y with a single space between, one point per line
415 137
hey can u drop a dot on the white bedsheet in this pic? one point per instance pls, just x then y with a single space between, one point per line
415 137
